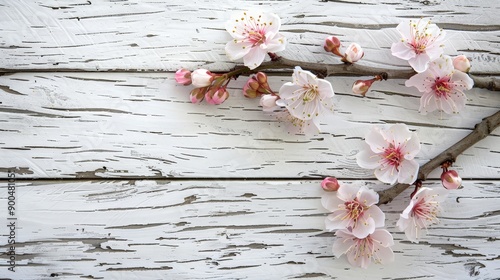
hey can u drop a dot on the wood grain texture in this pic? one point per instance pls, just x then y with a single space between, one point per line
166 35
232 230
117 125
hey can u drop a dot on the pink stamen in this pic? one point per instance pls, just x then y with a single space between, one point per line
442 86
393 156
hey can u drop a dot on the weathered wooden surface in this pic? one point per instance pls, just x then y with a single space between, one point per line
63 114
165 35
233 230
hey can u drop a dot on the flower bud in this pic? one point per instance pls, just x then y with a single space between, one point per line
183 77
261 78
220 95
268 102
332 44
201 78
362 86
461 63
250 88
353 53
330 184
451 180
197 94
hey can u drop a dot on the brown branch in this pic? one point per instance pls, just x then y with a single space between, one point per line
489 82
481 130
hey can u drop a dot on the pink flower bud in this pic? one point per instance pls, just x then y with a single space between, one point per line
183 77
461 63
220 95
451 180
353 53
268 102
201 78
330 184
332 44
250 88
197 94
261 78
362 86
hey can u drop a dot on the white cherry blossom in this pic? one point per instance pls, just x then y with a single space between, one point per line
361 251
254 35
420 44
421 213
442 87
353 208
391 153
307 98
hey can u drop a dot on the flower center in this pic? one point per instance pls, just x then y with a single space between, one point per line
256 37
354 209
393 156
421 38
442 86
426 210
311 91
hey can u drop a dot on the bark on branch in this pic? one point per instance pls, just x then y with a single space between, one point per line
487 82
481 130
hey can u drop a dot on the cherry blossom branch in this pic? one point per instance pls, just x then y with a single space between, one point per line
490 83
481 130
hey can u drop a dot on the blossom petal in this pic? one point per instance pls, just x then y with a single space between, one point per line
383 255
377 215
331 202
408 171
375 139
397 134
387 174
277 44
462 80
254 57
420 62
289 91
364 227
341 246
428 103
401 50
421 81
347 192
367 159
383 237
236 50
325 89
367 196
411 147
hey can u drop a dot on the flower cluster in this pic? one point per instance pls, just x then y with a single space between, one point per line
358 221
390 151
441 79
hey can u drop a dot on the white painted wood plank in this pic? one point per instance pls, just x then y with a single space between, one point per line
89 125
230 230
165 35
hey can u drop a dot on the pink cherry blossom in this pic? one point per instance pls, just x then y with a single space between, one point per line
254 35
421 43
391 153
361 251
421 213
442 87
353 208
307 98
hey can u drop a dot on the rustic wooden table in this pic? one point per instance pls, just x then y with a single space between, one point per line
119 176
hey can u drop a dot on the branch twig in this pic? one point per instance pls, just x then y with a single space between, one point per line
489 82
481 130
